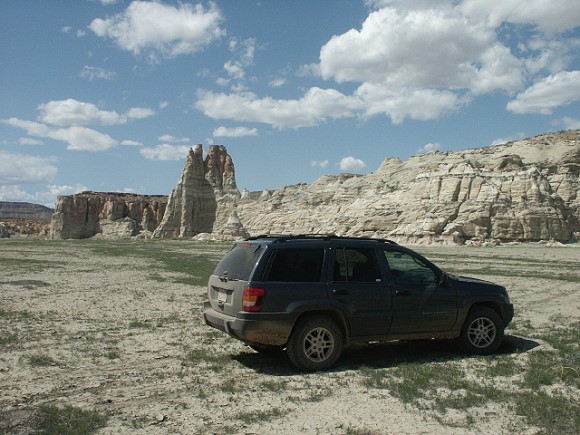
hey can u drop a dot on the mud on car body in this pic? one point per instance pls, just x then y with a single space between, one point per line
315 295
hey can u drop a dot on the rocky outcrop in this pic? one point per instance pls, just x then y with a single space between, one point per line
525 190
203 202
25 210
24 219
109 214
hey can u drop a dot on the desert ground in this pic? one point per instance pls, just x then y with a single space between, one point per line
107 337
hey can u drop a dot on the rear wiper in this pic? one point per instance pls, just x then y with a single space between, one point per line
225 278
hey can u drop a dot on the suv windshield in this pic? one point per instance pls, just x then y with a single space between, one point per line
240 261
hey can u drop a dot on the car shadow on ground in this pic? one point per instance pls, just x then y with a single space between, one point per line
381 355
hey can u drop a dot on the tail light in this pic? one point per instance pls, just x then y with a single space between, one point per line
252 299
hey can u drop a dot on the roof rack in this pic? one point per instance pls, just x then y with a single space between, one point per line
280 238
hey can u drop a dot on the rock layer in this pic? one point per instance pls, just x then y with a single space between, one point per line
108 214
525 190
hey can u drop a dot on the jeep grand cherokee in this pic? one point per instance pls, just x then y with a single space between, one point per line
315 295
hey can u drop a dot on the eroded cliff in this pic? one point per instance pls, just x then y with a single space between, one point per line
526 190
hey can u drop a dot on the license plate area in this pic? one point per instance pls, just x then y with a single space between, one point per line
221 296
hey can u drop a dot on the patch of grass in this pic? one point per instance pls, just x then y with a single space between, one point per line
30 265
193 265
555 413
41 360
7 339
230 386
113 354
502 366
260 416
319 394
16 315
547 368
275 386
69 420
197 356
356 431
135 323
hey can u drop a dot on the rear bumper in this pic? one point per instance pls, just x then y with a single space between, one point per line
251 328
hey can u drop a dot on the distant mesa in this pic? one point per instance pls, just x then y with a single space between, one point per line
522 191
24 218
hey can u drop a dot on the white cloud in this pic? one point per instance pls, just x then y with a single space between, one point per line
92 73
235 69
430 147
314 107
421 104
277 82
548 15
571 123
234 132
165 152
29 141
47 197
77 138
548 94
170 138
322 164
139 113
162 29
504 140
72 112
22 168
423 48
350 163
131 143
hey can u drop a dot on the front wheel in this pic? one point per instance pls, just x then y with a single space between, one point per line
315 344
482 332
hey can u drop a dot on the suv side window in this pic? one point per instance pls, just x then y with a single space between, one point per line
407 269
295 265
356 265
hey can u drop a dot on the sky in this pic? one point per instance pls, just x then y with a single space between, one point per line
109 95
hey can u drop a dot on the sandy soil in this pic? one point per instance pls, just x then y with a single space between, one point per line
122 335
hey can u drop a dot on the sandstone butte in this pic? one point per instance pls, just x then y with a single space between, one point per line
522 191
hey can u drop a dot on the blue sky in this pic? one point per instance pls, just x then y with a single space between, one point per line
108 95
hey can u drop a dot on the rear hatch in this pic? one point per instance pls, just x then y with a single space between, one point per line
226 284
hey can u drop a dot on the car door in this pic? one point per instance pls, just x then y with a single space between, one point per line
422 301
358 287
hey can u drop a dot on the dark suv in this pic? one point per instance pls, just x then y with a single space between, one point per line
314 295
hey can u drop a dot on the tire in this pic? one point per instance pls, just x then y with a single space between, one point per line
482 332
315 344
267 350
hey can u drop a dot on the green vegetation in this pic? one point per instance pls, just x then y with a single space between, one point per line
41 360
440 386
260 416
186 265
69 420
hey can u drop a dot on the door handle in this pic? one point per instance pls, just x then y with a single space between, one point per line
403 292
339 292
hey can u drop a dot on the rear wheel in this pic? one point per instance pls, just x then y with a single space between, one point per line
315 344
482 332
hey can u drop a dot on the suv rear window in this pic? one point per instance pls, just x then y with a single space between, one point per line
240 261
295 265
